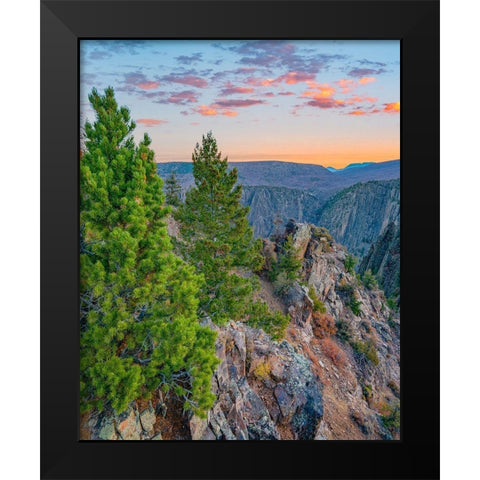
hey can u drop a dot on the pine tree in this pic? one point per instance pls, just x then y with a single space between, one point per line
289 263
173 190
218 239
139 325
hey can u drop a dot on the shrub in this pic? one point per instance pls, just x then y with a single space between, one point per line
366 326
346 288
350 262
333 352
354 305
318 305
367 392
369 280
392 303
322 232
323 325
394 387
391 418
273 323
344 331
351 300
262 371
366 350
282 284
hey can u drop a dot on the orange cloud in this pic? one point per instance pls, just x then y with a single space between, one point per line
212 110
346 85
150 122
148 85
393 107
229 113
290 78
231 90
260 82
358 99
365 80
205 110
319 90
357 112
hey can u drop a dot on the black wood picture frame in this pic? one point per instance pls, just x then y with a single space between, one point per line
416 24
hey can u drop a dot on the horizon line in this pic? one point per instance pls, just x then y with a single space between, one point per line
287 161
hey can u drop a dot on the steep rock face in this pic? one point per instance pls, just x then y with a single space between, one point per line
271 204
358 386
282 190
383 259
357 215
265 390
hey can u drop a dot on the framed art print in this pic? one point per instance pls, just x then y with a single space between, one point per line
233 197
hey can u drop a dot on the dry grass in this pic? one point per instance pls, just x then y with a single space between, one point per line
323 325
331 349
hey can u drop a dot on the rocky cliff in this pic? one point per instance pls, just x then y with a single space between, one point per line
334 376
357 215
383 259
271 207
283 190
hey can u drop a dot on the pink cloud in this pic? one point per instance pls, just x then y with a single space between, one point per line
286 93
325 102
292 78
365 80
213 110
150 122
346 85
231 90
191 80
261 82
229 113
237 103
148 85
358 99
186 96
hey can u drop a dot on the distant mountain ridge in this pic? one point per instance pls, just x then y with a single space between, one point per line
284 190
315 178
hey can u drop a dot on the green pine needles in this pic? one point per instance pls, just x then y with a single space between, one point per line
217 237
139 302
219 241
173 190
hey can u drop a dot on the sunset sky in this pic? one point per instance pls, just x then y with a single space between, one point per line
326 102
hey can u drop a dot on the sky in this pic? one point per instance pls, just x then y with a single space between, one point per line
330 103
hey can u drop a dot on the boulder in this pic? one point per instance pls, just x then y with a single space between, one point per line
128 426
148 418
